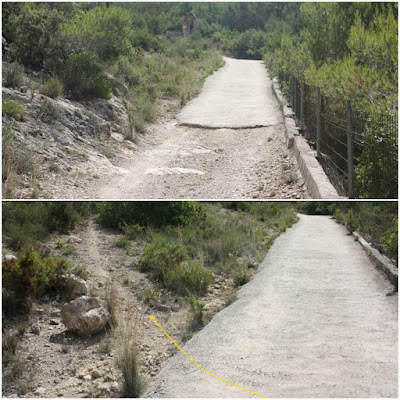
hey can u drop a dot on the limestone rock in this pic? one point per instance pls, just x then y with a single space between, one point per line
96 374
74 239
84 316
77 286
117 87
36 329
40 391
10 258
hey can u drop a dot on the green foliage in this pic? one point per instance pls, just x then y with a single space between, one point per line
168 262
114 215
391 239
317 207
31 276
13 74
377 164
349 50
34 28
132 231
27 223
198 317
103 32
377 222
241 277
82 77
249 44
52 88
14 109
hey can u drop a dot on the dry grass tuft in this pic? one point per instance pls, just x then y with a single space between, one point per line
128 356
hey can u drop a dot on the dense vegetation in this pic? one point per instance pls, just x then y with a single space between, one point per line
73 45
348 49
185 242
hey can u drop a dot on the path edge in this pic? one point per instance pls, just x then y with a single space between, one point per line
316 181
381 262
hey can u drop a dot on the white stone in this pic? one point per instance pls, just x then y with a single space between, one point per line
84 316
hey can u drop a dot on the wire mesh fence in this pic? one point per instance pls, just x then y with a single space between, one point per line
358 150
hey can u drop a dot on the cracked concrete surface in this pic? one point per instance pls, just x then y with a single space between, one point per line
239 95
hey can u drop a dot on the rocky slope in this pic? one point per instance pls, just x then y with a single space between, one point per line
63 141
52 362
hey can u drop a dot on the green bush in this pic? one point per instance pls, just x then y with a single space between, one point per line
13 109
52 88
198 318
82 77
241 277
30 276
169 263
161 255
101 89
249 44
391 239
13 74
187 277
26 223
132 231
375 177
144 213
128 73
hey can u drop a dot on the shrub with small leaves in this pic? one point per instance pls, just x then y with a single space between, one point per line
31 276
14 109
13 74
241 277
53 88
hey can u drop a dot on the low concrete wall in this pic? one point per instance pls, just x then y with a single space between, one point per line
382 262
317 183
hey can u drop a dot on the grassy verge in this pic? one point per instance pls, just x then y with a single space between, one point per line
206 242
177 70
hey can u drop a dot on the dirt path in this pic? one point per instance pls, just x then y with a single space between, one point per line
175 161
56 363
315 322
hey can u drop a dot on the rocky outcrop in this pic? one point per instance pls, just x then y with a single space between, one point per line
66 136
117 87
84 316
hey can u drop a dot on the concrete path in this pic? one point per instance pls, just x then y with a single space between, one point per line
314 322
239 95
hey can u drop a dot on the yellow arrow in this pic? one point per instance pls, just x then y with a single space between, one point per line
194 362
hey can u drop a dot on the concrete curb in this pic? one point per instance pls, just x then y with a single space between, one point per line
382 262
317 183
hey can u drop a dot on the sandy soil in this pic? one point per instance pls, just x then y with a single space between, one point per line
314 322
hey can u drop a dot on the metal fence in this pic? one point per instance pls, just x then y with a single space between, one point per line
358 151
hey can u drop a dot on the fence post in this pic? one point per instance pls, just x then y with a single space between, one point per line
318 123
350 150
291 90
302 103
